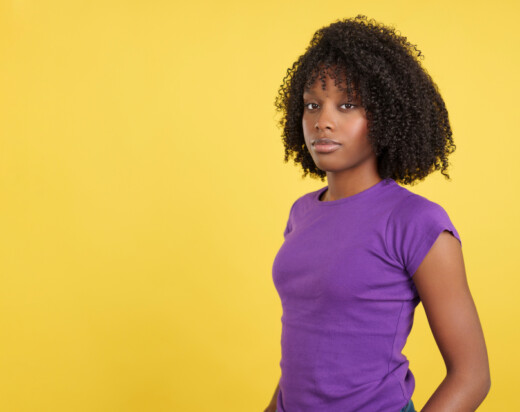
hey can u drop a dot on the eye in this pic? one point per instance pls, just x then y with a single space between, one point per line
350 105
309 104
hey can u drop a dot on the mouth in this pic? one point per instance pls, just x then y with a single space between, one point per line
325 147
324 140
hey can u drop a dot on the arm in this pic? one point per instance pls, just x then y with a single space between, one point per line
272 405
452 315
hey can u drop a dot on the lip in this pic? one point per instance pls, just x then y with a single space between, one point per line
326 148
324 140
325 145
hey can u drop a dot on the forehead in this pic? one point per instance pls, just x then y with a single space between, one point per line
322 82
331 79
321 88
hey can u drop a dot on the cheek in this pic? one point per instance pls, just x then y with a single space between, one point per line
307 128
355 129
305 123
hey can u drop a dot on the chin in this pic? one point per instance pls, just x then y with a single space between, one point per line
330 165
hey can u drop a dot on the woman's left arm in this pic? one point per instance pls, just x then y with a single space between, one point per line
443 288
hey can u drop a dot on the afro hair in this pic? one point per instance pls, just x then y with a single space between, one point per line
408 125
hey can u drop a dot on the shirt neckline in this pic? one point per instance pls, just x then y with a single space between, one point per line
364 194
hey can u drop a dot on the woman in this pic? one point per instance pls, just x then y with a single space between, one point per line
362 252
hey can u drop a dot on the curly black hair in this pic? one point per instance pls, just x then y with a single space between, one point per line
408 125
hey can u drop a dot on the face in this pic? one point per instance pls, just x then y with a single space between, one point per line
331 114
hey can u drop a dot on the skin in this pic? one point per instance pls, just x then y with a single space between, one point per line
272 405
329 113
440 279
443 288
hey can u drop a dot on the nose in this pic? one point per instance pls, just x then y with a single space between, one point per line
324 120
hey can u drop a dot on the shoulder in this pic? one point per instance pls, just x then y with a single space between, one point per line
416 215
294 212
412 228
305 201
415 208
411 218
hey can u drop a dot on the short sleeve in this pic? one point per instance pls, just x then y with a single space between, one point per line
289 225
412 229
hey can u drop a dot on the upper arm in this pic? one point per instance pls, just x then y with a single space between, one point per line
443 288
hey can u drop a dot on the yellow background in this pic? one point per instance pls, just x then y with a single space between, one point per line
143 195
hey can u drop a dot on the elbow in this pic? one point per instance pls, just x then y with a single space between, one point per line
485 381
484 389
480 386
487 385
474 374
478 383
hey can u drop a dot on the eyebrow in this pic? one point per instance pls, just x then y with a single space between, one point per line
344 93
308 91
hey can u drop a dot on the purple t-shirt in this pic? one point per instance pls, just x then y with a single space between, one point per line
344 276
